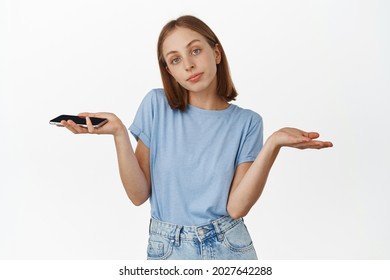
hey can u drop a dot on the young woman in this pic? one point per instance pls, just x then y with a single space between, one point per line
199 159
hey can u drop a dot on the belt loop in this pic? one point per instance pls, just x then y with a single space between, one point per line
218 231
150 224
177 235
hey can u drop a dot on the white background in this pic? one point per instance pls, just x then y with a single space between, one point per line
318 65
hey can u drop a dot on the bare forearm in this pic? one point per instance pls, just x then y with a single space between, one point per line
244 195
133 179
248 191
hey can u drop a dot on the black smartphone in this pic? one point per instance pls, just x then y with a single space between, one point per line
96 122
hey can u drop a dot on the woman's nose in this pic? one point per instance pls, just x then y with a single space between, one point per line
189 65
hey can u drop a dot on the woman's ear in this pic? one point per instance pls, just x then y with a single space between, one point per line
166 67
218 54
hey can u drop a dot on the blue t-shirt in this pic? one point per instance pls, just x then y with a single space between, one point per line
193 156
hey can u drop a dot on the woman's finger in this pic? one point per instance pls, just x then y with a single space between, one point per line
76 127
68 126
313 135
314 145
91 129
300 139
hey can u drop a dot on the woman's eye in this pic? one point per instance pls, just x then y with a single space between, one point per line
196 51
176 60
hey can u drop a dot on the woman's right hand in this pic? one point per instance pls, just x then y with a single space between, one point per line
114 125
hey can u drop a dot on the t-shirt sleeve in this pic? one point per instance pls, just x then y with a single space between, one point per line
141 128
252 143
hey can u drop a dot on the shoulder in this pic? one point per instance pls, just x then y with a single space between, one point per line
248 115
154 99
156 95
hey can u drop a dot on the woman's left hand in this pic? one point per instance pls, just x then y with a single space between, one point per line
292 137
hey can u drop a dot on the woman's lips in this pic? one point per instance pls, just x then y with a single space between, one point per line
195 77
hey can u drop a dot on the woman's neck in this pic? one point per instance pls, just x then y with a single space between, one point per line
207 101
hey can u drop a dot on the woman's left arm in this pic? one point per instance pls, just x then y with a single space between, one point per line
250 178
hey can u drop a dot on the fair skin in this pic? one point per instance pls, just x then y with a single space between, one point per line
192 62
187 53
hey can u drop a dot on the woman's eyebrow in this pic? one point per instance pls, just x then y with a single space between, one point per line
188 45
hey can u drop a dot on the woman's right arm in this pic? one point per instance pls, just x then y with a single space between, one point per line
133 167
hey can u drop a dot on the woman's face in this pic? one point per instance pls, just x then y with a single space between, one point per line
191 61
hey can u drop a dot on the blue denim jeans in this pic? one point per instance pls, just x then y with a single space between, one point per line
222 239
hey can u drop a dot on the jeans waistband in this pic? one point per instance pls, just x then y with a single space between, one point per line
189 233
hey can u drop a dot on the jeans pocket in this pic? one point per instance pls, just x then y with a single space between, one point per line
237 239
159 247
